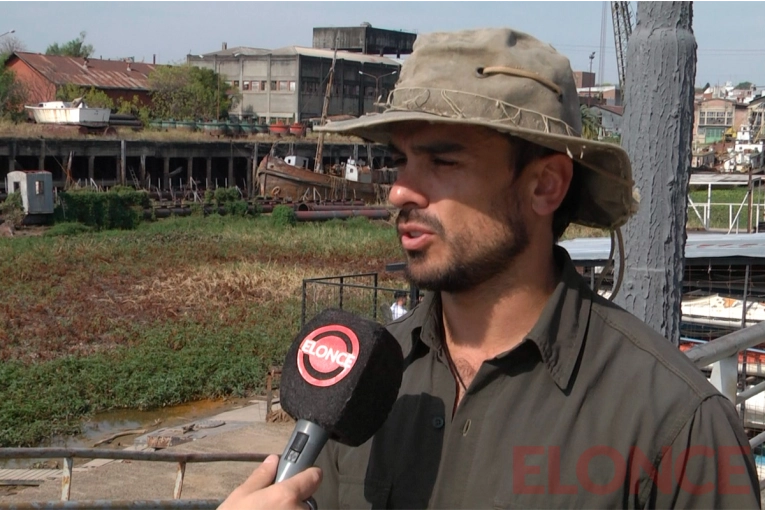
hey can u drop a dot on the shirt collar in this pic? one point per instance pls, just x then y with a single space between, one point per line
558 333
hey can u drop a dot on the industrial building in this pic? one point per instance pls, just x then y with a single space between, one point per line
289 84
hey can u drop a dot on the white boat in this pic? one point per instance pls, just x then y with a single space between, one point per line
70 113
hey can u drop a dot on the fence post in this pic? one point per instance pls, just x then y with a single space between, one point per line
374 299
66 479
302 313
341 292
179 480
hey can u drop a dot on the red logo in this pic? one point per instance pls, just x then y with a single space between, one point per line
327 355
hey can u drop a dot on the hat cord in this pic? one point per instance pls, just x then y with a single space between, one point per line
616 238
522 73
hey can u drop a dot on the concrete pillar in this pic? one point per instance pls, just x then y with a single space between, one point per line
12 157
91 168
657 131
142 170
166 174
123 162
189 171
41 157
208 181
231 181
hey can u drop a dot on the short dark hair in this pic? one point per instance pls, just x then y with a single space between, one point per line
399 294
524 153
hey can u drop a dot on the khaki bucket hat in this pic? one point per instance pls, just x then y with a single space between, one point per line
511 82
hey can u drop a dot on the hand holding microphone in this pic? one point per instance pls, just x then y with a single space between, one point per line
340 380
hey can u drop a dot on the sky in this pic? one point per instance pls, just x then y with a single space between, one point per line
730 37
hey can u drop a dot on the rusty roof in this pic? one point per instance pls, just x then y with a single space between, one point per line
101 74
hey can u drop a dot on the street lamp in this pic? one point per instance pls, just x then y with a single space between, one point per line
589 91
8 32
377 81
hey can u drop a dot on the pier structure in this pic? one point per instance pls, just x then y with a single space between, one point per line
164 165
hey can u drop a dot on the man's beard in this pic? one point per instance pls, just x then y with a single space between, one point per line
469 264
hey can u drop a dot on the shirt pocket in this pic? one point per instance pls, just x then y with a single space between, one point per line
358 493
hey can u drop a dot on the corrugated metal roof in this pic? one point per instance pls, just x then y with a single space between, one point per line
701 179
102 74
304 51
697 246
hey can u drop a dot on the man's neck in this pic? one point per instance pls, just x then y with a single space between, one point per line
495 316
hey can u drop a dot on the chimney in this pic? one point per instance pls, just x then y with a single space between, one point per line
154 59
225 46
128 67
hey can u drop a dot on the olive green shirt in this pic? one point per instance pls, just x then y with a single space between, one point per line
592 410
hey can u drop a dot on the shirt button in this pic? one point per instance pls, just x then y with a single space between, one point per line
465 428
438 422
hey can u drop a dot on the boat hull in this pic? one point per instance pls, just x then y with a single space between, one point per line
96 117
278 179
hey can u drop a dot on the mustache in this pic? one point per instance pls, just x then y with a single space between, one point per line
415 215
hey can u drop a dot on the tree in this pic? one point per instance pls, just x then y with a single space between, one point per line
92 97
10 44
74 48
13 95
185 92
744 85
590 123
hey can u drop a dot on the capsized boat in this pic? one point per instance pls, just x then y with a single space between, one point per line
75 113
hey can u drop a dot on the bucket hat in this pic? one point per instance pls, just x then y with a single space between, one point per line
511 82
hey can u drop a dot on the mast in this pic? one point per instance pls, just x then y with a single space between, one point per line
320 144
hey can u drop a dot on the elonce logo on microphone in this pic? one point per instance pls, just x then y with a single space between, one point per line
327 354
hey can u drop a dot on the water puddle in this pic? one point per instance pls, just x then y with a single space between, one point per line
107 424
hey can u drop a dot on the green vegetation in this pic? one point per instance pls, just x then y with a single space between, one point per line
13 94
92 97
185 92
283 216
173 311
74 48
121 207
12 209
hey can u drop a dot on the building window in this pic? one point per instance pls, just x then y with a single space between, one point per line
292 86
284 86
236 83
39 190
273 86
262 86
246 85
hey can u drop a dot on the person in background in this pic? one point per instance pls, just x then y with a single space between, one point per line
398 308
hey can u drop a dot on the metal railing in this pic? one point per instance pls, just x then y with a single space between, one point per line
722 355
69 454
737 215
358 293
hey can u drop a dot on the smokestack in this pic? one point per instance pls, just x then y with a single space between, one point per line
225 46
154 58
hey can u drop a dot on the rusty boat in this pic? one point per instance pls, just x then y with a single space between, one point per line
291 178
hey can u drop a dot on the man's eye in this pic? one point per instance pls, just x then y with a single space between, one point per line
401 161
443 162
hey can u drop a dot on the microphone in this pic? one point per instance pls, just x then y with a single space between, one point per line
340 380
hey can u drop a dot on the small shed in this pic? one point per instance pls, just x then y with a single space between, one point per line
36 188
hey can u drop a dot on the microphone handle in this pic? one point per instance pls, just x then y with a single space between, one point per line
303 448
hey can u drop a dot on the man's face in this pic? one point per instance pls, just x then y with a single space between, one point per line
461 219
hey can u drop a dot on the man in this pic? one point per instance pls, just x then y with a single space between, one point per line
523 388
397 309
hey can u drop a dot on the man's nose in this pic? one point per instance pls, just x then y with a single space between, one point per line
408 191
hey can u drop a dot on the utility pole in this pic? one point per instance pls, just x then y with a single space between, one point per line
317 165
658 125
589 91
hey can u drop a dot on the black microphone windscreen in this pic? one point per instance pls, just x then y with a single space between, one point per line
343 373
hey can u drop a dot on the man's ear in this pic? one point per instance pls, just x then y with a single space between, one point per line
552 177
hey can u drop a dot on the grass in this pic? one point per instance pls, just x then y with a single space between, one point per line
174 311
720 212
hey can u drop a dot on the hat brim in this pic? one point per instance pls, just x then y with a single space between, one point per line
606 196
